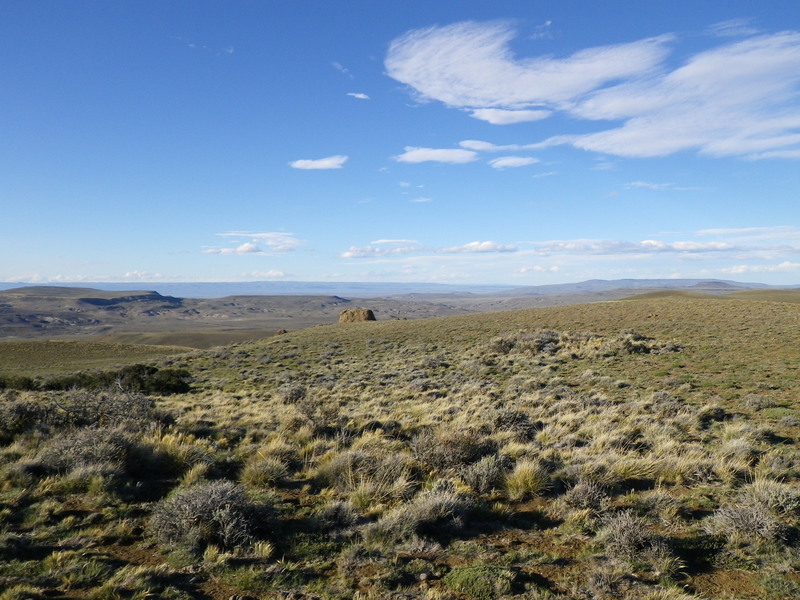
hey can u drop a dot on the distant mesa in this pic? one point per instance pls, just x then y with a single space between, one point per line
356 315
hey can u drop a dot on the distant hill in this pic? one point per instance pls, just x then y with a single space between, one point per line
391 289
60 311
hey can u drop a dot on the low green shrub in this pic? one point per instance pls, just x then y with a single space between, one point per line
480 582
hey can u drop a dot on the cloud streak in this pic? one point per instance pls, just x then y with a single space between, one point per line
443 155
331 162
737 99
507 162
470 65
276 243
473 247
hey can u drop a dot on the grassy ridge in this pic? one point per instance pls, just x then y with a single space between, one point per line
729 345
186 339
34 358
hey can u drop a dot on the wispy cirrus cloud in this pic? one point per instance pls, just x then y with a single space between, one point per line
376 251
389 247
414 154
611 247
783 267
270 274
659 187
471 247
358 95
470 65
393 241
330 162
736 99
733 28
760 232
648 185
508 162
539 269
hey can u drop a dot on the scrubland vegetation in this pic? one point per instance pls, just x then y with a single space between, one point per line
644 449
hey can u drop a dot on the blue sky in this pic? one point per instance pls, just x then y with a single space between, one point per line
465 142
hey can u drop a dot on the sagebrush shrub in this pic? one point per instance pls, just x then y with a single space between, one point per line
778 497
216 512
448 449
626 536
518 423
83 448
430 512
586 495
338 514
485 475
751 522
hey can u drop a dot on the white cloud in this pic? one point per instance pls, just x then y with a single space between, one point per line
735 99
470 65
342 69
785 266
331 162
246 248
390 241
421 200
786 154
779 231
612 247
375 251
481 146
358 95
648 186
499 116
506 162
142 276
733 28
271 274
539 269
453 156
478 247
276 242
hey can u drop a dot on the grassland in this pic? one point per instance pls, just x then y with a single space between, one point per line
50 357
645 448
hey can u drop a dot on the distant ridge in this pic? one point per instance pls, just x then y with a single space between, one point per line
273 288
375 290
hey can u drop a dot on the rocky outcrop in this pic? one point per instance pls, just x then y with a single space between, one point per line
356 315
